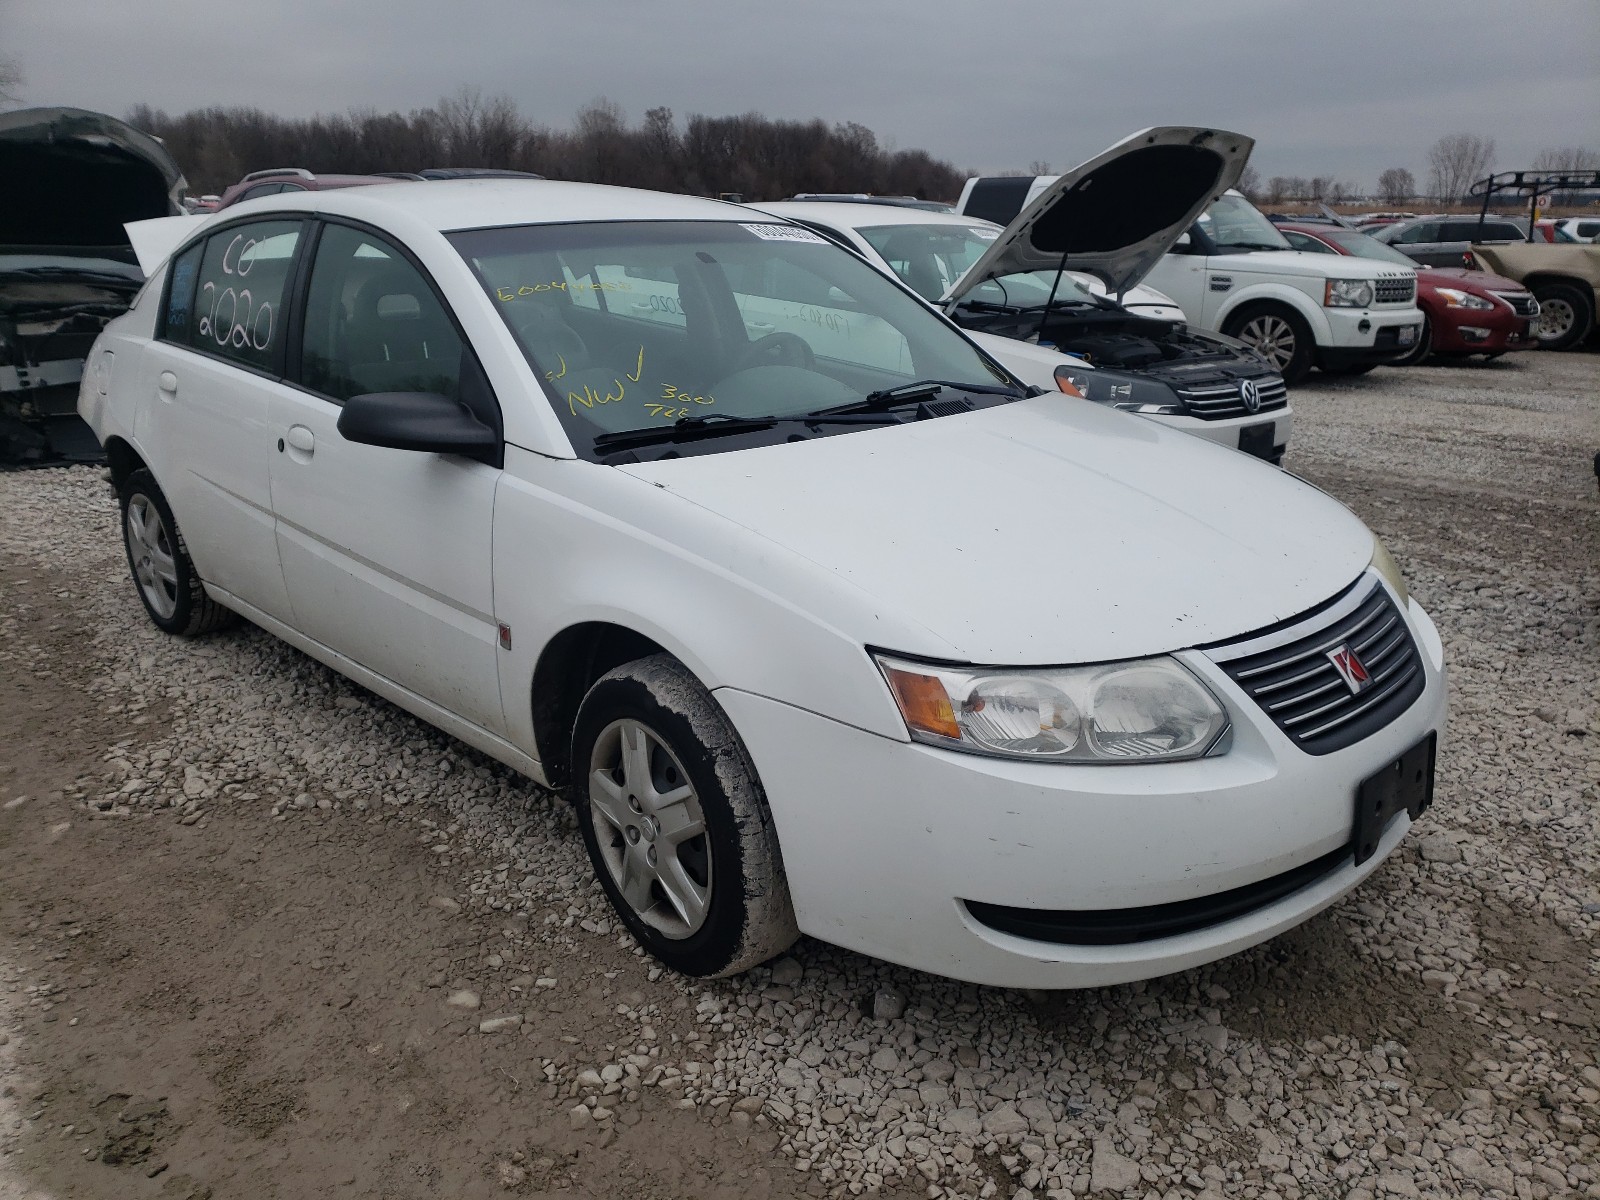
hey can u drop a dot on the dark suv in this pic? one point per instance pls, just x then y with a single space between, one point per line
1444 241
291 179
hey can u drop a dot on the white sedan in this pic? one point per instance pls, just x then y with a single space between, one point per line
867 644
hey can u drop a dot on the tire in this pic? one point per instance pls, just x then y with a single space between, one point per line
647 732
163 573
1566 315
1423 348
1279 333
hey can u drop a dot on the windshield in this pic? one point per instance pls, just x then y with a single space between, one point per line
1362 246
929 258
634 325
1233 223
1031 289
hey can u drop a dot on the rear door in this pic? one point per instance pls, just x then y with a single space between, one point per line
210 373
386 553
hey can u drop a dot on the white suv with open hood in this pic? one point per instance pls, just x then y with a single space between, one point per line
1013 288
1232 271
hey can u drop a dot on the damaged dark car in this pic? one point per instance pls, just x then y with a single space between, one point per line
73 179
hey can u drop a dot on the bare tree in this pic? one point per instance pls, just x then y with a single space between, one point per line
1250 183
1456 162
1277 189
10 82
1397 185
1039 167
1567 158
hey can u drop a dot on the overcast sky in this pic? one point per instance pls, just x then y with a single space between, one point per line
1341 87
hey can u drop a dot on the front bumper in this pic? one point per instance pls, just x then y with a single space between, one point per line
884 842
1480 331
1230 431
1367 335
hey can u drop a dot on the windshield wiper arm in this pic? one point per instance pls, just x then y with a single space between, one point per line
689 429
885 399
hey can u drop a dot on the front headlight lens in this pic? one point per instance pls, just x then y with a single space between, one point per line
1348 293
1147 710
1127 392
1383 563
1456 298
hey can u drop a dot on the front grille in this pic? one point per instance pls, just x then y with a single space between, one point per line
1214 402
1288 672
1396 291
1121 926
1522 303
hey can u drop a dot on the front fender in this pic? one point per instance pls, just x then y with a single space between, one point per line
1255 293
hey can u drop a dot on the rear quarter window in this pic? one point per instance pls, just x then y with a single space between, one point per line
227 293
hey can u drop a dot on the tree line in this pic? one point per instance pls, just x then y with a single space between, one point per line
753 155
1455 162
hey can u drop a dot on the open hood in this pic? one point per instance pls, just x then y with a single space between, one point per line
1117 214
88 174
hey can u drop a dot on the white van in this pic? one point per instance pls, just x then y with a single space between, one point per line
1235 273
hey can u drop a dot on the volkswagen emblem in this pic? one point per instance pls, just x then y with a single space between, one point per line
1250 393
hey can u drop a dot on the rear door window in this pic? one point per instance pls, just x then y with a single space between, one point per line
239 278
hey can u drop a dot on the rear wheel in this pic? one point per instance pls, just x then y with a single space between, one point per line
163 573
1279 334
1566 315
676 823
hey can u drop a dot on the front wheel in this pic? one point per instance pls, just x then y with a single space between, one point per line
163 573
1280 335
676 823
1566 315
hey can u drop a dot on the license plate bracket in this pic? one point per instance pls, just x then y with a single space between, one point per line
1407 335
1406 783
1257 439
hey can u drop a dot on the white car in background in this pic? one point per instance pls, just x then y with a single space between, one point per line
1064 276
851 639
1232 271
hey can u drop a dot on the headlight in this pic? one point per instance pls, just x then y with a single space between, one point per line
1146 710
1347 293
1127 392
1456 298
1383 563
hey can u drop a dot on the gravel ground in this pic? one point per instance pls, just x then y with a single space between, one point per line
1433 1035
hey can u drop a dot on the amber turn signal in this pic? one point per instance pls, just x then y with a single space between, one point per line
1064 382
923 702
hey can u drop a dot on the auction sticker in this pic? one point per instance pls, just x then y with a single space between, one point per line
785 233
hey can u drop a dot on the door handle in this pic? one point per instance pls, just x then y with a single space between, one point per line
763 326
301 439
168 383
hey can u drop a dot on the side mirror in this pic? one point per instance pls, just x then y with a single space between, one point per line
423 421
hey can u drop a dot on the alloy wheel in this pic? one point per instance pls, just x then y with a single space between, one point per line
650 828
1272 336
150 551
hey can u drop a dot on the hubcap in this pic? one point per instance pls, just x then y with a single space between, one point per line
1272 336
650 828
1555 319
150 552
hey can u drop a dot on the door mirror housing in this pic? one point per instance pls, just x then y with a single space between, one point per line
423 421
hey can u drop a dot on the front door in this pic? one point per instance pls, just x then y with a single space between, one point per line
386 553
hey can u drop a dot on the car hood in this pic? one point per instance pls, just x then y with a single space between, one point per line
1301 263
1115 215
1461 277
1048 531
89 174
1518 260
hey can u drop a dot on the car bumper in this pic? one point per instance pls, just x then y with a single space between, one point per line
1241 433
886 842
1358 335
1480 331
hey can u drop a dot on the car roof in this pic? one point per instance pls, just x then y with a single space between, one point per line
865 216
450 204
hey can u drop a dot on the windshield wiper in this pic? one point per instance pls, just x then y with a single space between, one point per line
885 399
690 429
1251 246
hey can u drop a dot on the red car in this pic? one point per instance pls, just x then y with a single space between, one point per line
291 179
1464 312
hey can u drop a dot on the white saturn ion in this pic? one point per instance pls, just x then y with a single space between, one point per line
878 646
